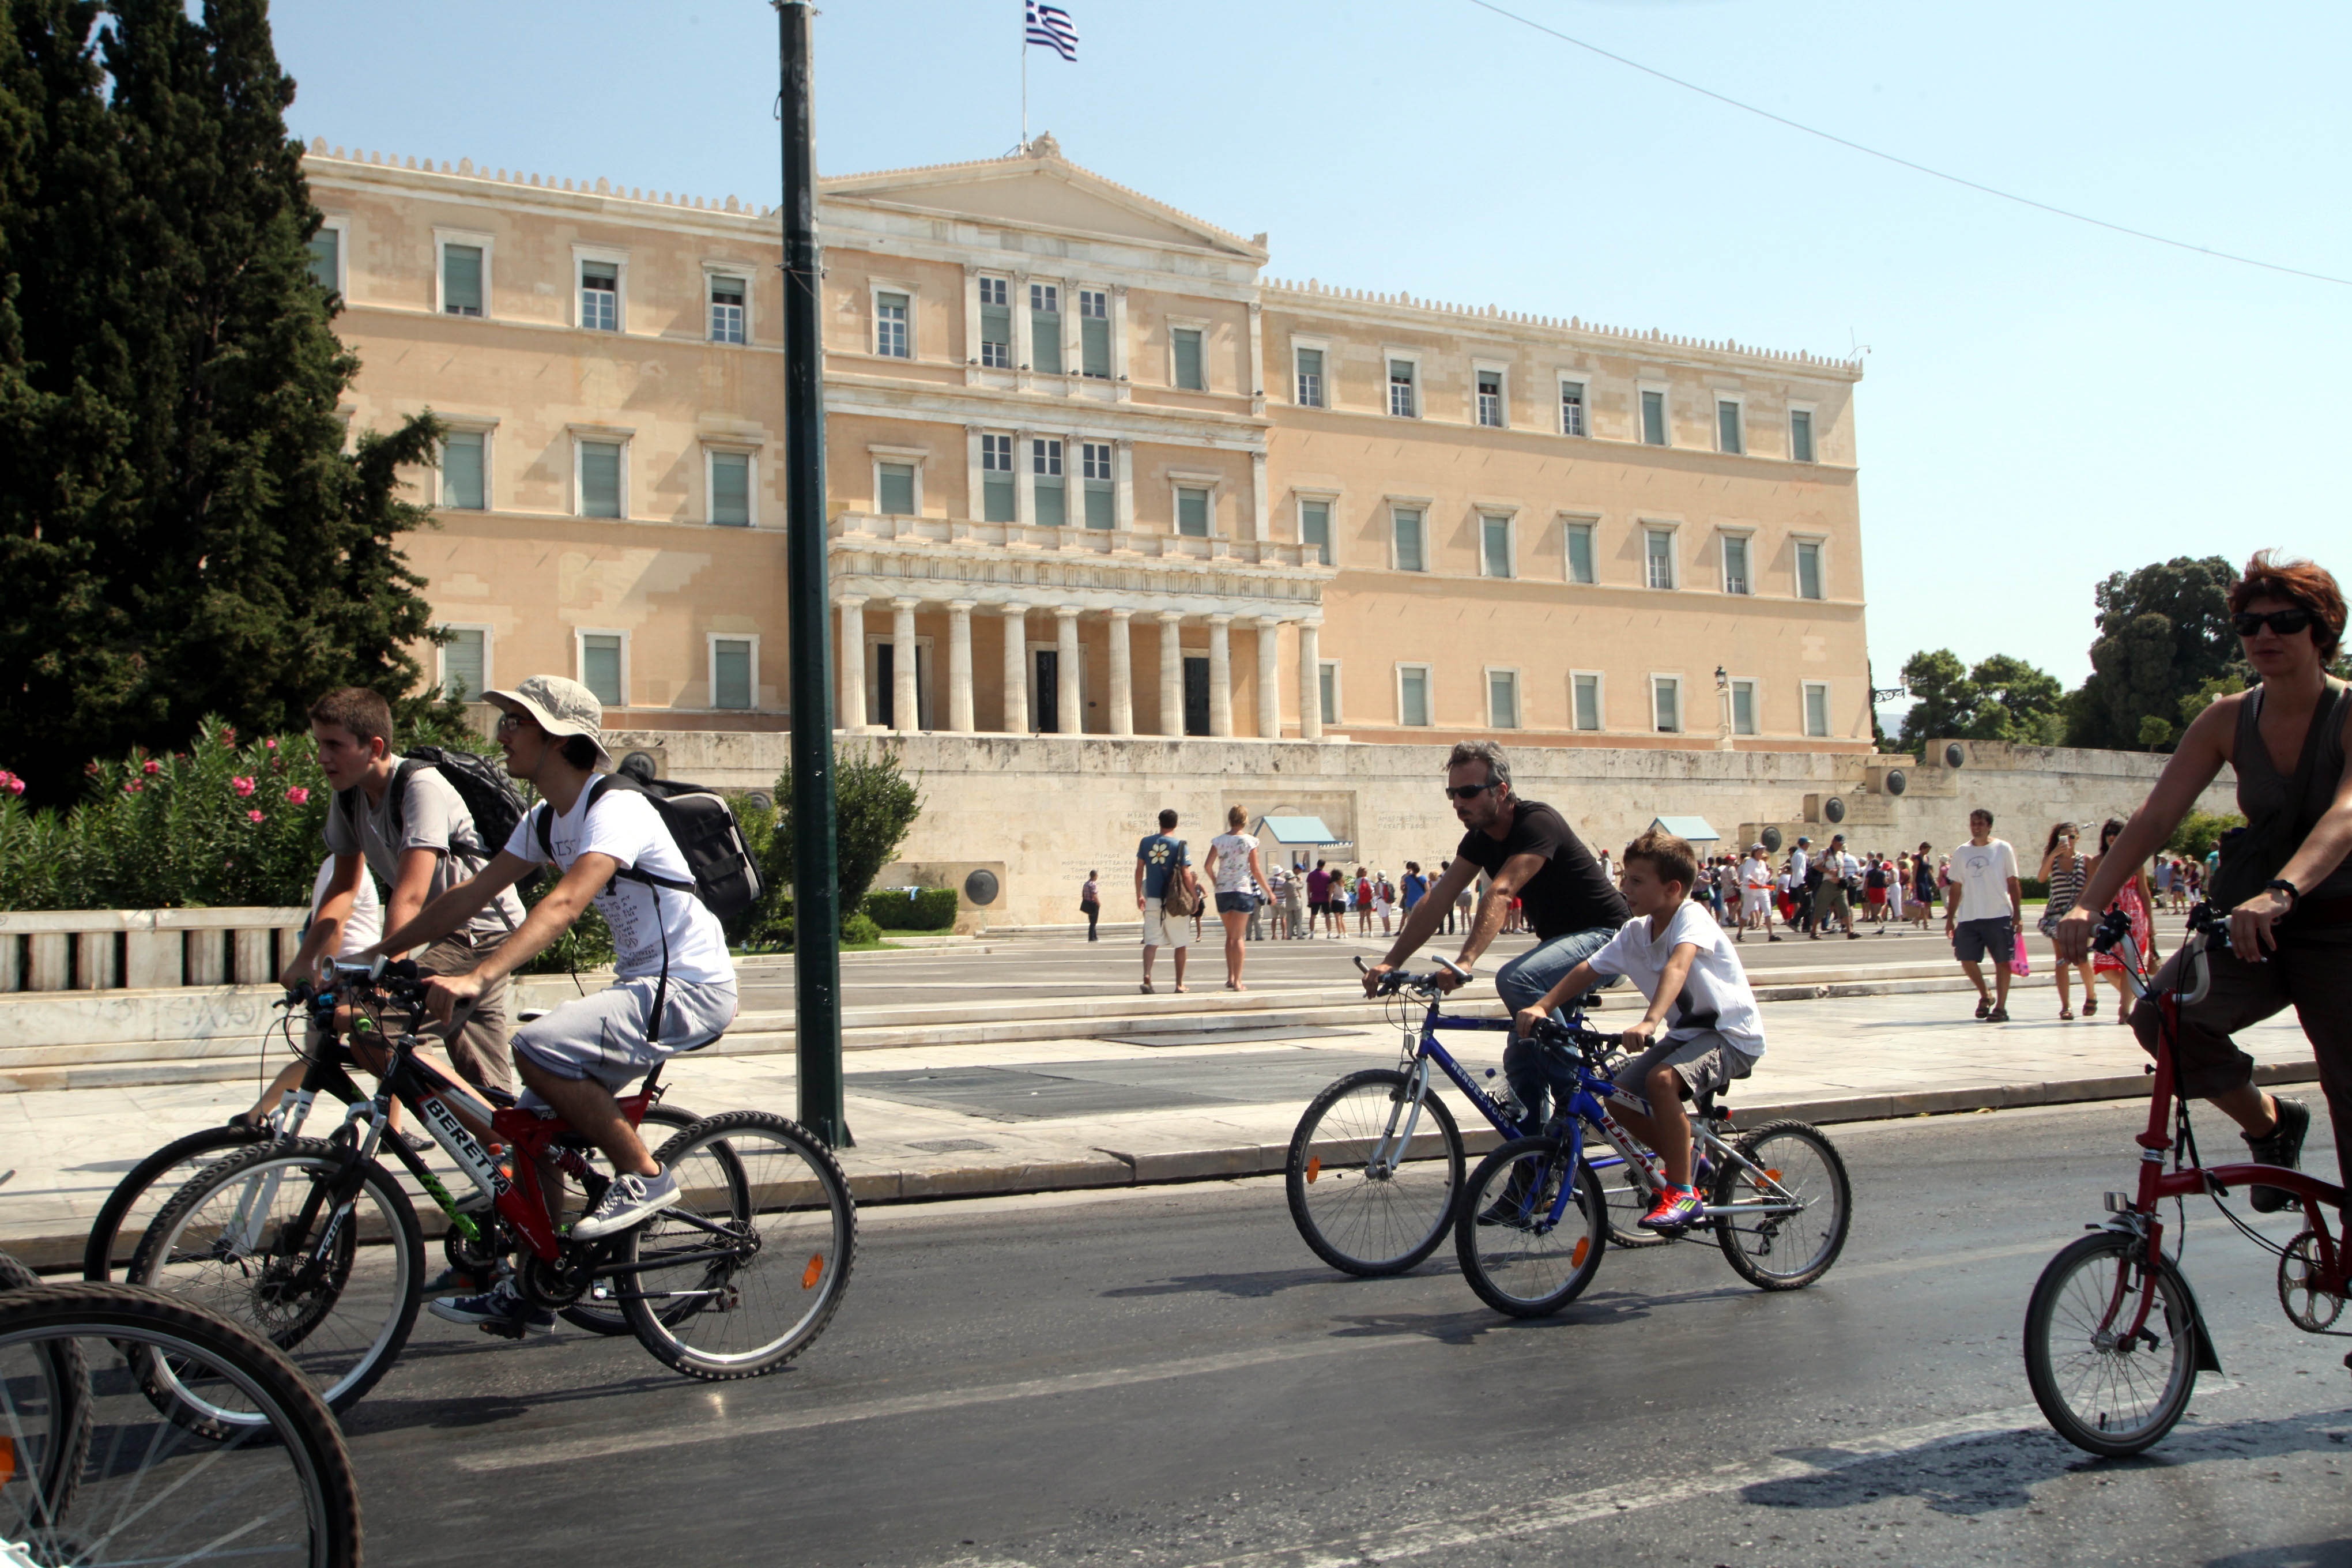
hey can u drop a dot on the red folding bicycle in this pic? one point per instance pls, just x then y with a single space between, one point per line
2113 1337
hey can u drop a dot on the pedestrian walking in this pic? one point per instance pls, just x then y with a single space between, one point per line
1981 911
1412 888
1163 868
1318 898
1756 894
1235 872
1923 886
2064 870
1090 906
2133 899
1804 877
1464 902
1839 871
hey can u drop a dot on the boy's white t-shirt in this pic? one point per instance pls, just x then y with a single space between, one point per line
1981 874
625 826
1718 982
365 926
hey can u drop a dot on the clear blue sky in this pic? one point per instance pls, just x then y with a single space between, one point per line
2045 402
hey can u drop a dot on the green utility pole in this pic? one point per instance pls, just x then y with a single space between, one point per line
817 853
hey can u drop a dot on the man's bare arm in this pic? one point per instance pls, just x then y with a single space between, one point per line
416 865
459 904
2195 764
332 918
1495 906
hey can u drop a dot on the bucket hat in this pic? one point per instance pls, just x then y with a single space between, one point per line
562 708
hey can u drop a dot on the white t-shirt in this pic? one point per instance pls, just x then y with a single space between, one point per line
1717 982
1979 885
1757 873
1234 850
625 826
365 926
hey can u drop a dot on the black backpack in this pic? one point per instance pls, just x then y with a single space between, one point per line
726 878
480 782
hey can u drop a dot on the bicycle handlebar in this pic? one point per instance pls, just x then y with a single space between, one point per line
1397 980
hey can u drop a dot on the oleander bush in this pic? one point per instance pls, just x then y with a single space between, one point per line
929 909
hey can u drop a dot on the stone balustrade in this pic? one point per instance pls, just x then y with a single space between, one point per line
144 950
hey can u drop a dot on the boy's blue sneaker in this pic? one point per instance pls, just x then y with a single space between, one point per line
1677 1208
497 1310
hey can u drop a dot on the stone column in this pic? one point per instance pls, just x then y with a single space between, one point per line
1269 693
852 716
959 665
1221 676
1118 346
1171 673
1122 674
906 712
1260 524
1017 669
1310 681
1124 467
1069 694
1024 475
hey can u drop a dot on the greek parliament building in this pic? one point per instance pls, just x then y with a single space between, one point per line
1089 473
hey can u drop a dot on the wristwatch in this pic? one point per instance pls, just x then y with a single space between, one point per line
2294 894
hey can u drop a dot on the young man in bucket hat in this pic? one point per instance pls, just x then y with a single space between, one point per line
667 944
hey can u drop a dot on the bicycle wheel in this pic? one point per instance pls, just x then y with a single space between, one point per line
1363 1222
146 1187
2101 1391
1514 1255
1626 1201
745 1271
1782 1252
278 1489
220 1243
53 1378
599 1311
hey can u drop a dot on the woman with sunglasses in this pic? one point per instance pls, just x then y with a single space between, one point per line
2066 870
2284 880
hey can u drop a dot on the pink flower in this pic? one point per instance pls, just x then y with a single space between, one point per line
271 742
297 795
150 767
11 783
242 786
133 787
228 737
253 816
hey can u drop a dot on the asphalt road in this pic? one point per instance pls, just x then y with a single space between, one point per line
1166 1376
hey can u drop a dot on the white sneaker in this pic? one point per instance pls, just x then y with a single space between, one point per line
631 1200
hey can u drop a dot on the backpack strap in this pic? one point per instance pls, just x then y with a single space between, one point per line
597 785
400 777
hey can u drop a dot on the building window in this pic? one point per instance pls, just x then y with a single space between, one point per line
1046 482
1658 553
995 323
894 488
1327 689
1402 403
1800 436
602 670
1494 546
464 658
1315 529
599 295
1490 398
1585 693
1666 703
1410 556
996 478
727 310
1192 512
1102 494
1412 695
1743 708
1734 564
461 279
1817 708
600 478
463 471
1191 376
891 339
730 489
1094 333
1579 553
1310 378
1572 408
1653 418
1045 328
326 258
1503 699
1726 426
1809 569
730 672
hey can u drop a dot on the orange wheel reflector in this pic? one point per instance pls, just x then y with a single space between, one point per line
1315 1167
7 1460
814 1272
1772 1172
1583 1245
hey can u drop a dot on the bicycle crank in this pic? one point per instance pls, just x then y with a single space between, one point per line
2309 1304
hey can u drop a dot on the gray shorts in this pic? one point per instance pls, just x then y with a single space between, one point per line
1707 1061
603 1036
1973 941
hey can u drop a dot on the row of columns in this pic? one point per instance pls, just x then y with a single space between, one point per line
1070 693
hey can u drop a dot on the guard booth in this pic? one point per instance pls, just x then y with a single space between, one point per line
1300 840
1694 830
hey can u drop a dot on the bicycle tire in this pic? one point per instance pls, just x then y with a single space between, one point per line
64 1373
1536 1277
168 1169
1818 1175
165 1260
293 1423
765 1179
1627 1201
2077 1383
592 1311
1401 1217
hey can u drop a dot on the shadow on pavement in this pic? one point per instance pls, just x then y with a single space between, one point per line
2336 1553
1270 1282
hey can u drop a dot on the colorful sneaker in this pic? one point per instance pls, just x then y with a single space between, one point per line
631 1200
497 1310
2281 1145
1677 1208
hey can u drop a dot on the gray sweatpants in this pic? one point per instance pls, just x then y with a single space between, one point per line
603 1036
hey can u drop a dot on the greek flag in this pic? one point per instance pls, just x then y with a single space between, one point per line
1050 26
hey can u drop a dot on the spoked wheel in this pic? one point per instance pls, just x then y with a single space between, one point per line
599 1311
1783 1251
2104 1389
277 1488
1365 1221
746 1269
147 1186
1518 1258
1626 1201
226 1243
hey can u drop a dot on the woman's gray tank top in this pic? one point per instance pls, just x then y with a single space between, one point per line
2262 790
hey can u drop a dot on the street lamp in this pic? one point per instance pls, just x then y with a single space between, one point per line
1723 703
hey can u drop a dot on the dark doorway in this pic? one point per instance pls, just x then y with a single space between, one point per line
1196 696
1046 710
886 686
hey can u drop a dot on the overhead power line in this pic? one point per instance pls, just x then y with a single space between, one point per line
1906 163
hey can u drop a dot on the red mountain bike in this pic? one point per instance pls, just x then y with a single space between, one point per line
2113 1337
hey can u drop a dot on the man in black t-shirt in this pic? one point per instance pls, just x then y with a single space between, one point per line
1528 852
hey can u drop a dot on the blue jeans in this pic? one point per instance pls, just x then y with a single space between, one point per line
1537 1074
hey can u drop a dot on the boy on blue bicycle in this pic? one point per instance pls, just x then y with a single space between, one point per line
1702 1016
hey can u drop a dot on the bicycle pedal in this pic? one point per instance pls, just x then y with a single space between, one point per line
511 1330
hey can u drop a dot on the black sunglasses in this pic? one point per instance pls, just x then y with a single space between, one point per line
1469 792
2286 623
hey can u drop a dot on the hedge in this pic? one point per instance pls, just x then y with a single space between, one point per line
930 909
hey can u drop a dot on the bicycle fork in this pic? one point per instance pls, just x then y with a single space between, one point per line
1394 1145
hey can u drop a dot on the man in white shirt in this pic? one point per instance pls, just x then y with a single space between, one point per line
1835 903
1981 910
1755 881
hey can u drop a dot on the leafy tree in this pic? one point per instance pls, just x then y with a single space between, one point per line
2164 632
875 805
2002 698
2199 831
181 528
1945 698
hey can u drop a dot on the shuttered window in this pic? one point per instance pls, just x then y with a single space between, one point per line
600 478
461 665
730 672
462 469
